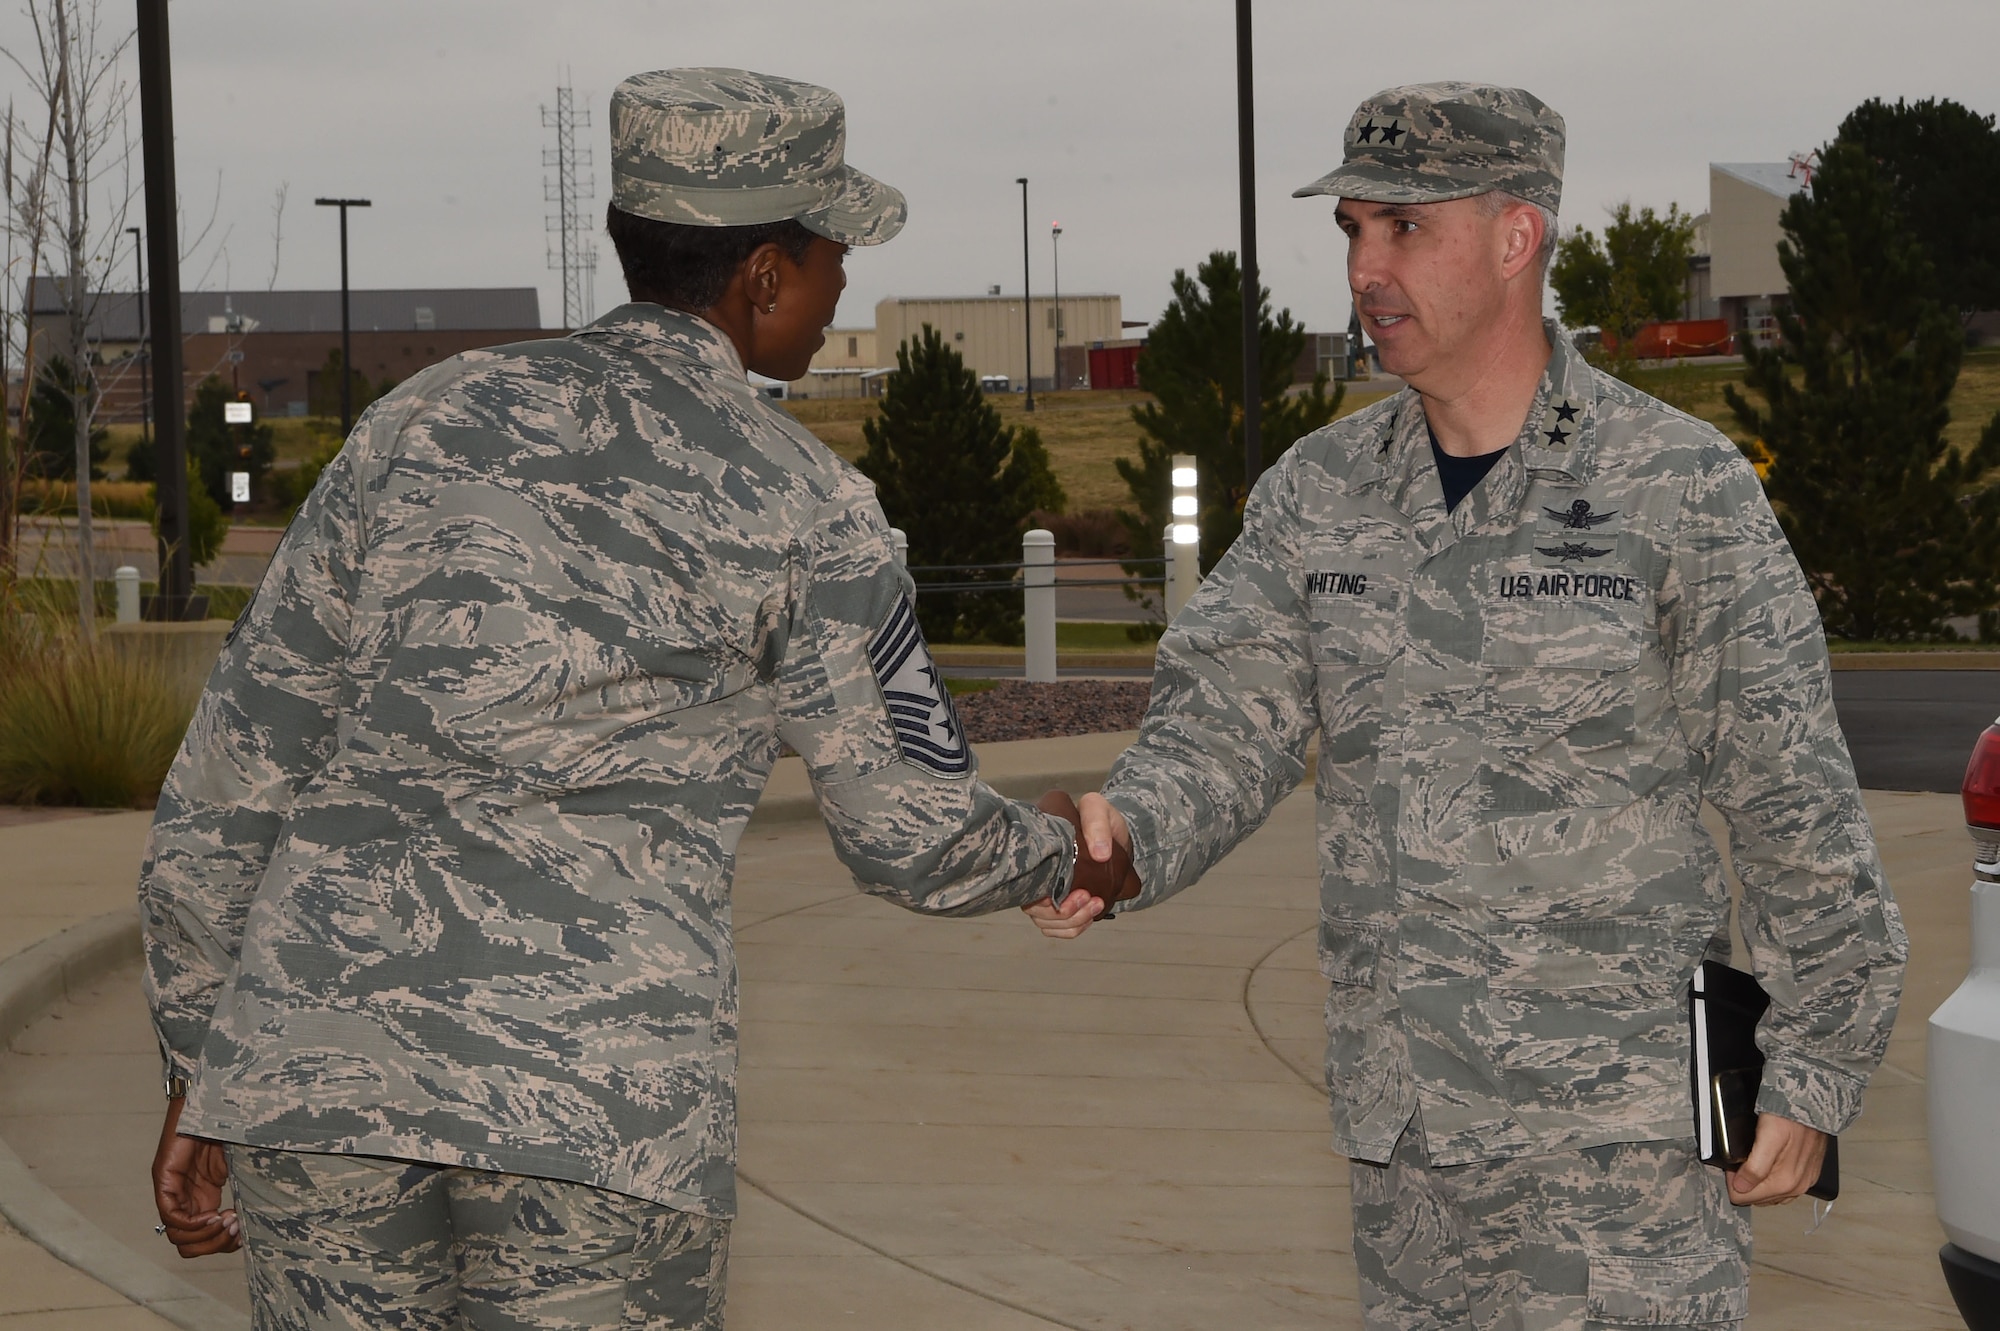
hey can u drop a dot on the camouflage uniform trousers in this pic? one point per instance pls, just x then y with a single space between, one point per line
1632 1234
354 1243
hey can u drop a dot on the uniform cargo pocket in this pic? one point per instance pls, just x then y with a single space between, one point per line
1658 947
1708 1288
1359 628
1348 953
1592 635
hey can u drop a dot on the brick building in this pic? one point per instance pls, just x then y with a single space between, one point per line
274 344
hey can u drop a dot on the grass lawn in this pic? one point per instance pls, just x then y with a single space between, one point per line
1697 390
1086 432
1099 636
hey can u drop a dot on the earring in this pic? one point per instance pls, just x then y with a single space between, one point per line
772 308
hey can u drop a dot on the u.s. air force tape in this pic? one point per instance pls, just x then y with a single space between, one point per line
927 729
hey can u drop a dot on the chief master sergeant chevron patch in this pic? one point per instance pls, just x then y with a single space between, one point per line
927 728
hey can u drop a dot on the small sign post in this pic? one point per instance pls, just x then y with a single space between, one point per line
236 413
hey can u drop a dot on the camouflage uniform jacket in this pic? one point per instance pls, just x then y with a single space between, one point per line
1520 707
442 870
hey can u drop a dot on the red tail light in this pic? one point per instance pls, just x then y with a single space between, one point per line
1981 791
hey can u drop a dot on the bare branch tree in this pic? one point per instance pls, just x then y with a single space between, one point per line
76 77
27 233
277 231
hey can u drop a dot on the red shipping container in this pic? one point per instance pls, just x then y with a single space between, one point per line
1115 367
1679 337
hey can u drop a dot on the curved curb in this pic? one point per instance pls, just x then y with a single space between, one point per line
31 982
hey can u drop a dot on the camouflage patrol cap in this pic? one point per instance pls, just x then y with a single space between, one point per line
1429 142
728 147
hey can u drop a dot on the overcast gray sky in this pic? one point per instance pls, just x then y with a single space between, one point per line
1121 113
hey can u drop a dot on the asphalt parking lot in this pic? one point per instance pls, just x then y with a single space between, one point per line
1914 729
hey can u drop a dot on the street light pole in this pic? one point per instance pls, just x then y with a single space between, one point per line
346 341
1246 163
1027 297
1055 247
175 599
145 375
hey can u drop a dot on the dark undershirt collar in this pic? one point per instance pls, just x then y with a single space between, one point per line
1461 476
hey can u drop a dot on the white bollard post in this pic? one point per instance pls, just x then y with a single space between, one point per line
1168 593
127 580
1038 603
1183 566
901 540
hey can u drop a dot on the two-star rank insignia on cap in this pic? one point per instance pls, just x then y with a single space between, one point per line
1380 131
1559 424
927 729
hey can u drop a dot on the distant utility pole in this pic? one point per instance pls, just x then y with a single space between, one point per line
571 189
1055 245
1246 165
139 300
346 334
1027 296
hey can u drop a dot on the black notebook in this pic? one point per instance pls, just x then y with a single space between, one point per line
1724 1006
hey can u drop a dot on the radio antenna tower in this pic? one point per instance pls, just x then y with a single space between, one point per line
571 188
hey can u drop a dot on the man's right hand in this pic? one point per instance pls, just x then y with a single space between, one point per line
1103 876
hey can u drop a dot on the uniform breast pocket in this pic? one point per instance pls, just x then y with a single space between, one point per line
1561 691
1357 623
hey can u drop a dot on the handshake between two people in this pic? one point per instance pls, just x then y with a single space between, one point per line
1104 875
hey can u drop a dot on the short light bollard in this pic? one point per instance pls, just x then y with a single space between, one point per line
1038 603
126 579
1183 536
1183 566
900 539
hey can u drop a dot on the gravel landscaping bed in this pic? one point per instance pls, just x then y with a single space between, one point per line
1016 709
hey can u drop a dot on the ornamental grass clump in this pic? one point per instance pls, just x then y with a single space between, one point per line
79 724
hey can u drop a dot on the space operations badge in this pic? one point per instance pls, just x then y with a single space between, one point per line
927 729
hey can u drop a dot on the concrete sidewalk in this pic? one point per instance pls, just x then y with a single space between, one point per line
956 1123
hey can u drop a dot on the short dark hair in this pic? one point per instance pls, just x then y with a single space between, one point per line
689 267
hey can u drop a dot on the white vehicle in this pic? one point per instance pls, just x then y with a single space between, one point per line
1964 1070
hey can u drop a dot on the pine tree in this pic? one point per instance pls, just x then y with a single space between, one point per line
1942 161
1895 530
958 482
323 392
51 438
215 449
1193 367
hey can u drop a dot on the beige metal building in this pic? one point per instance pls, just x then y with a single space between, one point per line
841 367
988 332
1745 202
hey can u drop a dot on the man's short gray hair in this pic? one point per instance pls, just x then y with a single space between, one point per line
1494 202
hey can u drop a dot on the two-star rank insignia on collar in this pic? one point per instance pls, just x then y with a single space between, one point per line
1559 424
